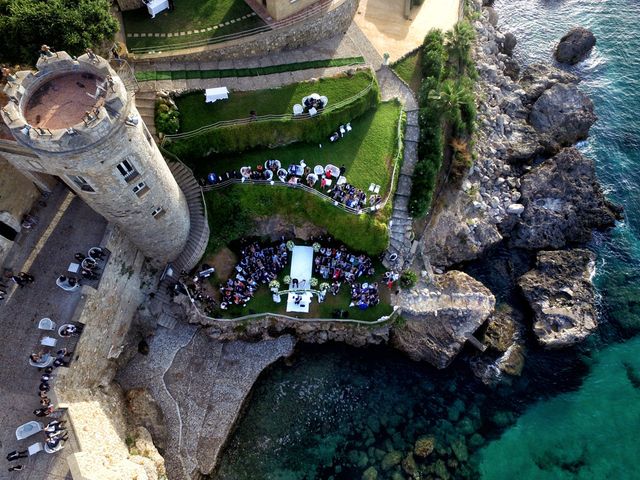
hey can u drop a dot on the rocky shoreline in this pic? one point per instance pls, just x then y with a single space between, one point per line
529 190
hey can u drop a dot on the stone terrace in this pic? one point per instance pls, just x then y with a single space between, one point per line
67 225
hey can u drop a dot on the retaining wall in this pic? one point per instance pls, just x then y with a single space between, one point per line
306 32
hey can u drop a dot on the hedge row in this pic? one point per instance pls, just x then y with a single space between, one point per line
238 138
431 141
154 75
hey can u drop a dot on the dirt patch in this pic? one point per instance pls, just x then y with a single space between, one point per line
224 261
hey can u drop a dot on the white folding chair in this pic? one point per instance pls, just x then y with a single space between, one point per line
371 187
46 324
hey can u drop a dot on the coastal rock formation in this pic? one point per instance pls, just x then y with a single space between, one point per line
563 203
562 297
440 316
562 115
575 46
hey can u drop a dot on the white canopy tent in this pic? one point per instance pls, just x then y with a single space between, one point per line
157 6
214 94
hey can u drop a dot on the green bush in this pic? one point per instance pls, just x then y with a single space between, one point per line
167 117
238 138
71 25
433 54
408 279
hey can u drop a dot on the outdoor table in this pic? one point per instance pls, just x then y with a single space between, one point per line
74 267
48 342
328 182
28 429
157 6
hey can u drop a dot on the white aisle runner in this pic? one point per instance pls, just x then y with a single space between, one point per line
301 270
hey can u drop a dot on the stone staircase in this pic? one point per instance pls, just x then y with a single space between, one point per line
401 224
146 105
196 243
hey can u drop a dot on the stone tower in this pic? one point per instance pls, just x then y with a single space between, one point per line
79 119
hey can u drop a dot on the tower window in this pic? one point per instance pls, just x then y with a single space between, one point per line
158 212
81 183
140 189
127 170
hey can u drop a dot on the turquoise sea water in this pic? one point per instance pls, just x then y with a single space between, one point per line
591 433
336 412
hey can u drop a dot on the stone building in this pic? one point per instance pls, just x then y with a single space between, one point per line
80 122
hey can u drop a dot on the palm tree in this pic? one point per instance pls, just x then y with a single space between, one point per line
458 43
450 98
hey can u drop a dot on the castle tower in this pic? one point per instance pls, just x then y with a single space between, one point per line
78 118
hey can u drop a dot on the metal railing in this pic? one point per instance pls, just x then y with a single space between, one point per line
258 316
267 118
313 12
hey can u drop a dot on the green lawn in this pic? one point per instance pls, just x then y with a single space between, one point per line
409 69
195 113
263 300
367 151
153 75
188 15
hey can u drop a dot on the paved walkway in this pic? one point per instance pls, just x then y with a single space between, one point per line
384 23
67 225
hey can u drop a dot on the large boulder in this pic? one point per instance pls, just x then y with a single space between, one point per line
539 77
563 203
575 46
508 44
561 296
562 116
440 316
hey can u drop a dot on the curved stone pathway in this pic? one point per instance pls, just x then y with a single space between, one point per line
200 386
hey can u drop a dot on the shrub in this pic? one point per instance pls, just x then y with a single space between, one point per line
433 55
408 279
167 117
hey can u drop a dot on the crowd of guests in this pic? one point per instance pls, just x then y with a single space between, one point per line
337 264
349 195
364 295
258 264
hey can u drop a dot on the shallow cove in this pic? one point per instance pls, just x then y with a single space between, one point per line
337 411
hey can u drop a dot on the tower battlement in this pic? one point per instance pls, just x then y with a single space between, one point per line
80 120
67 104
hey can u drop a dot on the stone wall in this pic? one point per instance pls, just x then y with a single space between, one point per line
298 35
280 9
17 195
95 403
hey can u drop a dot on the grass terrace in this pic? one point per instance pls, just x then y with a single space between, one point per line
215 17
262 301
195 113
409 69
154 75
367 152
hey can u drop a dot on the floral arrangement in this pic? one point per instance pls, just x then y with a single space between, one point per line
316 247
274 285
324 286
287 279
313 282
290 245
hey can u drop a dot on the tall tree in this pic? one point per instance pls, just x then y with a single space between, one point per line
458 42
71 25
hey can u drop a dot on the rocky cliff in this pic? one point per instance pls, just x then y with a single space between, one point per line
562 297
520 121
440 316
